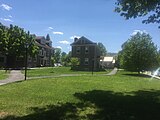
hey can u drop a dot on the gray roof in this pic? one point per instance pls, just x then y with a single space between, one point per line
81 41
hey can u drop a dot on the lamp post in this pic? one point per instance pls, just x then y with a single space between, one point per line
92 66
26 59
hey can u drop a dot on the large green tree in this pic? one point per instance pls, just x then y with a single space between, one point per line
57 55
138 53
138 8
13 41
102 49
66 58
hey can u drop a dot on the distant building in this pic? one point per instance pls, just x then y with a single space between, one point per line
107 62
88 54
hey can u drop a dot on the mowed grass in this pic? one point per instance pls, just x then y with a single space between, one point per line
125 96
52 71
3 74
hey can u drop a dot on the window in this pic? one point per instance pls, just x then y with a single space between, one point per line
29 59
40 52
86 61
86 50
78 50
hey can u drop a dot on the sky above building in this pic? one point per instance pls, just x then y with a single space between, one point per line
65 19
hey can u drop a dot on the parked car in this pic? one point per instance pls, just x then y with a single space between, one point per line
57 64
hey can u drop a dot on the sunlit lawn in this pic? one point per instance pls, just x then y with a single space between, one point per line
52 71
125 96
3 74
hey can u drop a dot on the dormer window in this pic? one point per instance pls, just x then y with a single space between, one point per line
78 50
86 50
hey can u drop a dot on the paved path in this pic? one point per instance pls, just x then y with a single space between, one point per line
113 72
152 76
15 75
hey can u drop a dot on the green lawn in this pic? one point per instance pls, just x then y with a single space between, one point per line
125 96
3 74
52 71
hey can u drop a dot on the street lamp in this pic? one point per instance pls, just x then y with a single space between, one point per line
26 58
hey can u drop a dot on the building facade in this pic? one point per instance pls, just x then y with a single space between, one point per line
2 60
45 52
88 54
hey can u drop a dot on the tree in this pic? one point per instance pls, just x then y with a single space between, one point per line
12 43
57 55
63 58
102 49
138 53
66 58
138 8
74 62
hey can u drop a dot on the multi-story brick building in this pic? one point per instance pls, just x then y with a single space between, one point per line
45 52
88 54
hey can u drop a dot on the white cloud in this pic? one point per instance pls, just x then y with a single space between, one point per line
6 7
58 33
10 16
59 47
140 31
6 19
64 42
50 28
72 37
69 48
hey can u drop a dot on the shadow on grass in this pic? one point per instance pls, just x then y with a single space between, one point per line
101 105
138 75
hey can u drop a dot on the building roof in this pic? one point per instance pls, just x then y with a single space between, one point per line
43 46
81 41
108 59
40 37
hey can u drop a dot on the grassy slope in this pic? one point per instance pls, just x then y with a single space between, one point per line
124 97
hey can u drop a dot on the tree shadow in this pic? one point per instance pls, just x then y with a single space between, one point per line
138 75
101 105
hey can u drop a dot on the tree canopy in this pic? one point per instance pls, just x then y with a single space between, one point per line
102 49
138 53
57 55
13 40
138 8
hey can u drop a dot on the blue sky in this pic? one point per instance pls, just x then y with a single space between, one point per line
64 19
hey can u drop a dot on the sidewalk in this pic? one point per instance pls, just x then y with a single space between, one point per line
113 72
15 75
152 76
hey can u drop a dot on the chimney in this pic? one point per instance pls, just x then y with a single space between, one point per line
75 39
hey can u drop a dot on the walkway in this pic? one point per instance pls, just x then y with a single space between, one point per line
113 72
14 76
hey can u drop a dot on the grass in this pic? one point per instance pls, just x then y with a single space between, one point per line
52 71
3 74
125 96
